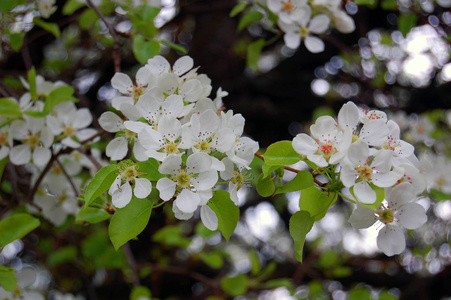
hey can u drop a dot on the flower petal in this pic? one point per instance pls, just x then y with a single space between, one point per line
412 215
208 217
391 240
166 187
143 187
122 196
117 148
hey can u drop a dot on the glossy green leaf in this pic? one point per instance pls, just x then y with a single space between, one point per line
406 22
235 286
227 212
253 53
91 215
140 293
174 46
129 221
302 180
31 76
249 18
300 224
265 186
100 183
360 293
16 40
150 169
8 279
62 255
268 169
72 6
281 153
144 49
9 107
50 27
316 202
238 8
16 227
439 195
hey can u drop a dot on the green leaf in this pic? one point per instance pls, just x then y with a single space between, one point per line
150 169
171 236
329 259
235 286
16 227
50 27
268 169
439 195
129 221
226 211
279 282
265 186
99 253
389 4
342 271
143 49
238 8
140 293
101 182
380 195
406 22
300 224
248 18
369 3
174 46
72 6
88 19
16 40
62 255
91 215
9 107
361 293
3 163
255 263
302 180
31 75
55 97
316 202
8 279
7 5
385 295
281 153
212 259
253 53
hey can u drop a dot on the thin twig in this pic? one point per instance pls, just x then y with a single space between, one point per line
117 42
290 169
74 188
132 263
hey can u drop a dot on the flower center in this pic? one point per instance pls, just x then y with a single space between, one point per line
391 144
3 138
136 91
183 179
68 131
303 31
287 6
326 149
33 140
364 172
129 135
203 146
171 148
385 214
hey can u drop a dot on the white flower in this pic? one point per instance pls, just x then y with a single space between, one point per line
288 10
190 184
46 8
359 170
131 92
6 141
121 189
302 29
236 176
328 145
397 213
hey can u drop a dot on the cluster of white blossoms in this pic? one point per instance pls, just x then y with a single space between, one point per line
32 138
301 20
363 148
167 116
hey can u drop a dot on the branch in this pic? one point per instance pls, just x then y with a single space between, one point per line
291 169
74 188
132 263
117 43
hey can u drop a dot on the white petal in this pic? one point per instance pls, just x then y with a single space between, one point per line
143 187
166 187
348 116
20 154
183 65
292 40
304 144
319 24
122 196
205 180
82 118
143 76
208 217
314 44
362 217
187 201
364 193
41 156
158 65
191 90
116 184
411 216
118 101
198 162
117 148
343 22
111 122
122 83
391 240
139 152
171 165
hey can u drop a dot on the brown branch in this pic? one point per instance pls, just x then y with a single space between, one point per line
184 271
74 188
116 48
291 169
132 263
